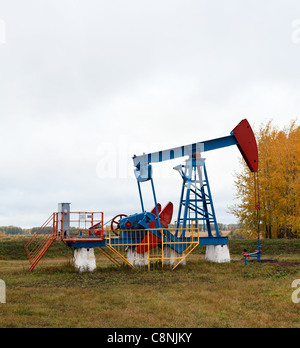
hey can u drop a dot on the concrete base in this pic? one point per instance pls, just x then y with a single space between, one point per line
171 257
84 260
136 259
2 291
217 253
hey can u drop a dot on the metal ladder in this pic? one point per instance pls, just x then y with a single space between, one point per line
41 241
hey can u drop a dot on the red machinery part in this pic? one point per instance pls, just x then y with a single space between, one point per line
153 211
247 144
97 229
152 224
148 244
115 222
165 218
99 232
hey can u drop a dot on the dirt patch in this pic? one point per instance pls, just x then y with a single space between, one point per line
288 264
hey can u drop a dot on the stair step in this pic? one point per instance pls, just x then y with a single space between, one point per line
40 242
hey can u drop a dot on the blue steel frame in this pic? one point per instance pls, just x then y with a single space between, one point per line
143 172
153 192
195 201
179 244
124 239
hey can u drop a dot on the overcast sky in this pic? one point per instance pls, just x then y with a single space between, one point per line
85 85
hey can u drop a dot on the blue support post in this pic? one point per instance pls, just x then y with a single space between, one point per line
196 198
211 202
155 201
141 198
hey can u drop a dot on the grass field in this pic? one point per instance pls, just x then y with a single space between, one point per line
199 295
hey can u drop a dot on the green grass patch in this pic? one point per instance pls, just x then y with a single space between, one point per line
201 294
12 248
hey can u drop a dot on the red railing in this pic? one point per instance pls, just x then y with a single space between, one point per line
41 241
80 226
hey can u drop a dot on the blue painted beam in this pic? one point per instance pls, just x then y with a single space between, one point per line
213 241
87 244
179 245
219 143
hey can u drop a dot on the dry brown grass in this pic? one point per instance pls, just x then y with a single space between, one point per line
198 295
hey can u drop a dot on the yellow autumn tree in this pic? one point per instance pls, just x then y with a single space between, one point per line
279 184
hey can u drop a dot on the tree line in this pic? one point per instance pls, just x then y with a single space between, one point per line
278 193
14 230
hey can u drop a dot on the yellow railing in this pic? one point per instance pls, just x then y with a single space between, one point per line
157 248
139 249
